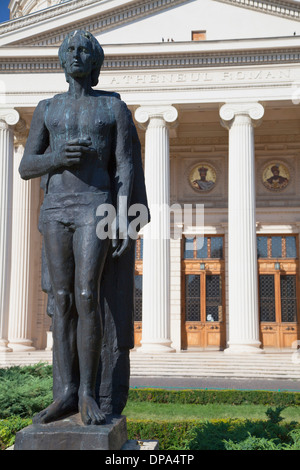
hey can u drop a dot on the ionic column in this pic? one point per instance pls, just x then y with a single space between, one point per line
8 118
19 330
156 251
240 119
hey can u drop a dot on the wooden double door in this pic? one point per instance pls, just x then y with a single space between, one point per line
278 283
203 295
278 304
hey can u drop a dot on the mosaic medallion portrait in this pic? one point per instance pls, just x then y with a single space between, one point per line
276 176
202 177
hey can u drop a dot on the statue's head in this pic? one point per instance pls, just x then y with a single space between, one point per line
80 54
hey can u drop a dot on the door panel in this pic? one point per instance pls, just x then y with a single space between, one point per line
194 334
278 290
203 294
137 333
138 292
270 335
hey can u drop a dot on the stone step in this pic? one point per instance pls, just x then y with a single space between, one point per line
214 371
254 375
188 364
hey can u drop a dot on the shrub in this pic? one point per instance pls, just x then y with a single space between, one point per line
25 391
171 435
203 397
9 428
245 434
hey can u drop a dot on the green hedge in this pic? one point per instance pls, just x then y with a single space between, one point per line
203 397
171 435
26 390
194 435
227 434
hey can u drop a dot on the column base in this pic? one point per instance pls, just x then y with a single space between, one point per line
49 346
21 345
155 348
4 347
244 348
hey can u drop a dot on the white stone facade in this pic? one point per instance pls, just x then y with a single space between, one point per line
230 101
20 8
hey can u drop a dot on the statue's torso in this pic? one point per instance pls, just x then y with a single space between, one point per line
68 119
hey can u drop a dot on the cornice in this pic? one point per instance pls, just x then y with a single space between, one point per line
159 61
104 21
283 8
20 8
123 15
41 15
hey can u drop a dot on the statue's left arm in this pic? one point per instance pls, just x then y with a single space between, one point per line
124 173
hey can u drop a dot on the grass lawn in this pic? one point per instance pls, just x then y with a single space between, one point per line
161 411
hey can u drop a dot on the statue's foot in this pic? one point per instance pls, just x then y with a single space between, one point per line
62 406
90 411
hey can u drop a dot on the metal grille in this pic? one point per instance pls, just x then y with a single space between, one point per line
216 247
291 249
213 297
139 249
276 247
188 248
206 247
192 297
262 247
201 244
288 298
267 298
138 296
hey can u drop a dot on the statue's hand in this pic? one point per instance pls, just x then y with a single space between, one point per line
72 152
121 242
120 246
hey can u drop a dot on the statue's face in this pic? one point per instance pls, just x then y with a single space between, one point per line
79 57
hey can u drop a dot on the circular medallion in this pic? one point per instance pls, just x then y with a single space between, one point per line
202 177
276 176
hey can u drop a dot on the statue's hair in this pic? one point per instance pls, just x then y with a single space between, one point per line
98 54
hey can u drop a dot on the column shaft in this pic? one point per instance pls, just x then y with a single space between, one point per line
156 251
242 255
19 333
7 117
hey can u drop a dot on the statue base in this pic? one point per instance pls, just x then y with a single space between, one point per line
71 434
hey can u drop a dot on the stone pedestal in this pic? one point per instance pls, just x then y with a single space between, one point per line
71 434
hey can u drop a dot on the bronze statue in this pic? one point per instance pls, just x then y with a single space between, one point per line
84 145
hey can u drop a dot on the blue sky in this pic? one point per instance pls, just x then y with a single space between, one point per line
4 11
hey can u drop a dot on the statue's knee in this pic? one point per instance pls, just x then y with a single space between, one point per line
64 300
86 299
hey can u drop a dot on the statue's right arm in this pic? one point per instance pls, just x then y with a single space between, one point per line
35 162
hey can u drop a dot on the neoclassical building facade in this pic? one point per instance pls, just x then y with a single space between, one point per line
214 89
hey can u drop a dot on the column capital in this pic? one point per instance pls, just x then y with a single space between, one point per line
9 115
252 110
20 132
144 114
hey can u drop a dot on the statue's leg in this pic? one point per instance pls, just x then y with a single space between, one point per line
59 252
90 253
